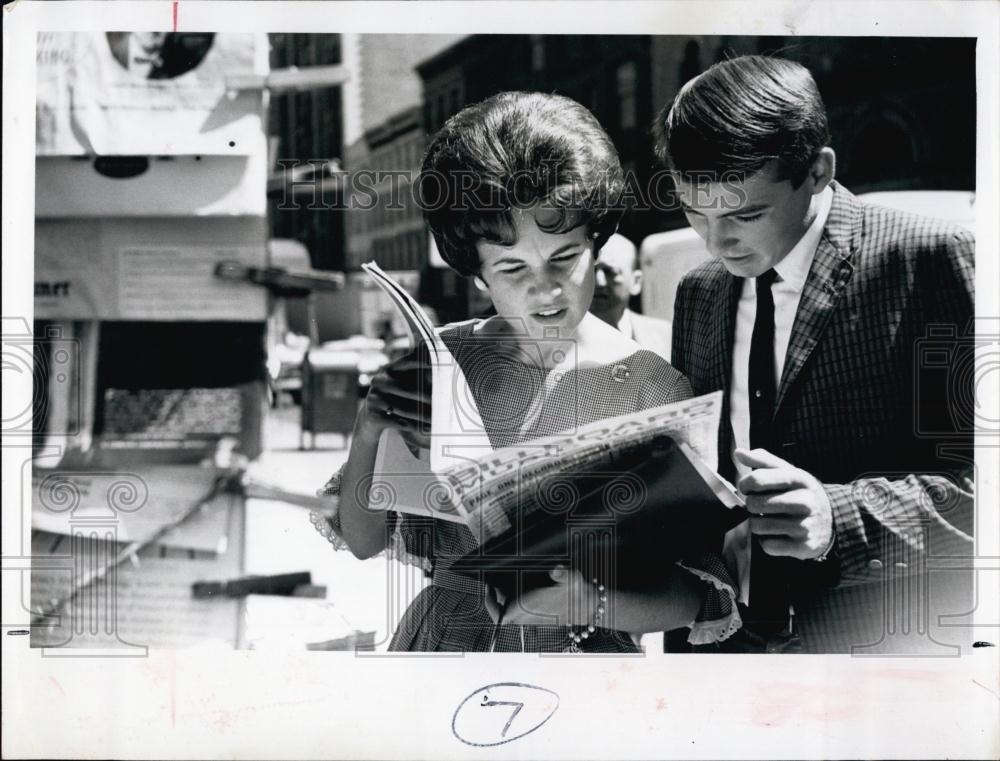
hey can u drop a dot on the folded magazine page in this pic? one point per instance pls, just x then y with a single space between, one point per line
448 381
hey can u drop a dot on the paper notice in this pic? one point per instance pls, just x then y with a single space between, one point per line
175 282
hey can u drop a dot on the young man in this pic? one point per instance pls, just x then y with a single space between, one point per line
811 318
618 280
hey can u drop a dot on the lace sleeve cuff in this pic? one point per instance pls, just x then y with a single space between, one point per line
327 523
719 617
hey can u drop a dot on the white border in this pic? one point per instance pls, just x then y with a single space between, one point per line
316 705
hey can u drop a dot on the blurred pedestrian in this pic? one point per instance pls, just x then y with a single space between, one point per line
619 280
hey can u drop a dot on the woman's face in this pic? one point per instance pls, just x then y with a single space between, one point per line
544 283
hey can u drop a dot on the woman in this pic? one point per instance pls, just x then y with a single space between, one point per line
519 192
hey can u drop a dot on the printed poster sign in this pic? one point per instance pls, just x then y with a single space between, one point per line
148 93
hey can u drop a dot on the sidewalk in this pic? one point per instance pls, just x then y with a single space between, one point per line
365 596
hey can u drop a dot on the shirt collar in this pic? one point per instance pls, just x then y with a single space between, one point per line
794 268
625 324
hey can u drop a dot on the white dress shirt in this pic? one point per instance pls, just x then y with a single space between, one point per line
792 271
625 324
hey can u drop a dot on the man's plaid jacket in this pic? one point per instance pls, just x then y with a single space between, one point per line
877 402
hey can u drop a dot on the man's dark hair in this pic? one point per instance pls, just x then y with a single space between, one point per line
518 150
741 114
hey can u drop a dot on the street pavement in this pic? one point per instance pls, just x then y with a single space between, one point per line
365 596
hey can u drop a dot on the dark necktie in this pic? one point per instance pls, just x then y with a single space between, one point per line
768 576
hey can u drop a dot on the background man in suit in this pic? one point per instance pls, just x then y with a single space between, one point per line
618 280
814 317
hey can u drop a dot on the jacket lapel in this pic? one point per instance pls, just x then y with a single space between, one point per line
727 294
830 272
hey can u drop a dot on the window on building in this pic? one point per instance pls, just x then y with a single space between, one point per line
627 77
537 52
691 63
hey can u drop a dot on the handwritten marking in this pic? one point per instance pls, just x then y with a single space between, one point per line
175 14
514 713
980 643
18 632
980 684
470 725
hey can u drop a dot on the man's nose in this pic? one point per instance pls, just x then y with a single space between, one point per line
719 238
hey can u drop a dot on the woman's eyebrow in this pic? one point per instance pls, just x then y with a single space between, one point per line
509 259
561 249
506 260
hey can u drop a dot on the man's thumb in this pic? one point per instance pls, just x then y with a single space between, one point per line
758 458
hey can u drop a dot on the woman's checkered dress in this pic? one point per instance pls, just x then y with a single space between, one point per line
516 404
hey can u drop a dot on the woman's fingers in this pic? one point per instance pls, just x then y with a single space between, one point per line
404 387
412 424
397 406
410 374
493 606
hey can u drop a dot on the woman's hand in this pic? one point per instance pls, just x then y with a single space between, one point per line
400 398
571 601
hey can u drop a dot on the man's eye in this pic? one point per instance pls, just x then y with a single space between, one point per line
751 217
511 270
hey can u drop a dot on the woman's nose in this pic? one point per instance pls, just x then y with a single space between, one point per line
600 279
547 287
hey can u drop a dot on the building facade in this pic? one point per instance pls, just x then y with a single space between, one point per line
308 127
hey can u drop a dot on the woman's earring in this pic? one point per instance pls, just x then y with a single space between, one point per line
480 284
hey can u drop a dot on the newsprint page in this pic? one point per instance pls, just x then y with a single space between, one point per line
419 380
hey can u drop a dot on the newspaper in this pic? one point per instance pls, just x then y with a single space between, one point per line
492 487
471 483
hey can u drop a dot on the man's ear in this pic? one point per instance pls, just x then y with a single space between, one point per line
823 169
636 287
481 284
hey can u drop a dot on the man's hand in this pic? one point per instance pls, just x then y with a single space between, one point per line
789 509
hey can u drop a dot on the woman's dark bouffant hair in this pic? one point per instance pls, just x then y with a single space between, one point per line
518 150
741 114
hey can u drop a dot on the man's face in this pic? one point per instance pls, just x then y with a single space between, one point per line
752 224
616 281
